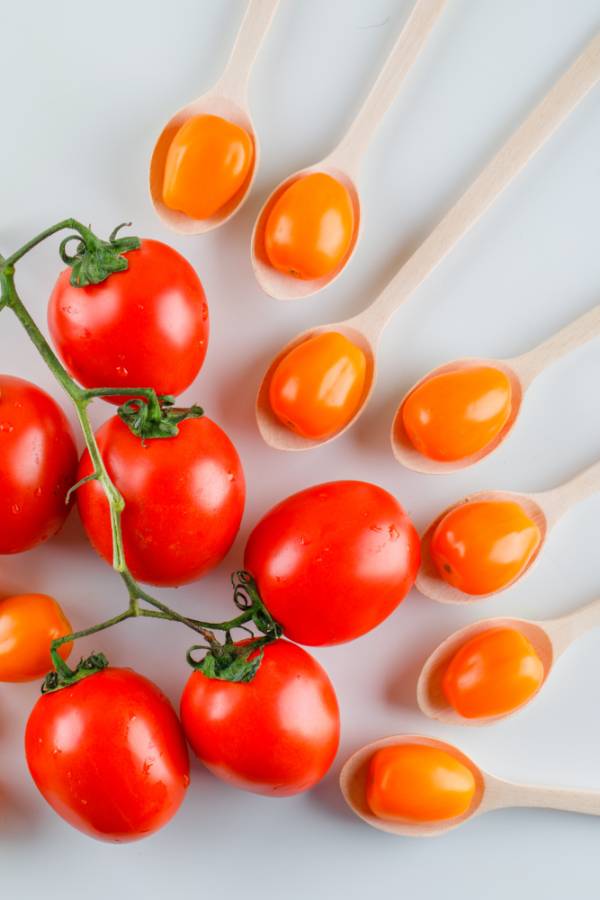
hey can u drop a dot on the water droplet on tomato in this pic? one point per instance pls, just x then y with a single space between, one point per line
6 427
15 509
122 372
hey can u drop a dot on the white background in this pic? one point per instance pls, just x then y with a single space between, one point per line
85 89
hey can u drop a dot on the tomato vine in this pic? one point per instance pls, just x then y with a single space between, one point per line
150 417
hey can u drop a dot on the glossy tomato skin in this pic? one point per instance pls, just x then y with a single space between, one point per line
334 560
28 625
277 734
144 327
419 783
109 755
208 163
481 546
38 464
184 499
310 228
318 386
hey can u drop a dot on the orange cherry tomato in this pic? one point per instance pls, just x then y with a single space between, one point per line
455 414
28 625
317 387
492 673
419 783
208 162
480 547
310 228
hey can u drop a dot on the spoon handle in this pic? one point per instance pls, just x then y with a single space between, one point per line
255 24
405 51
570 89
566 629
569 338
559 500
508 794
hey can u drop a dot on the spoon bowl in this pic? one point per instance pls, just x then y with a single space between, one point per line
490 792
353 780
227 99
276 283
212 103
520 371
545 509
409 456
549 639
428 580
430 696
273 431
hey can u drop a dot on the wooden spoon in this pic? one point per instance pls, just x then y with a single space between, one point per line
343 163
367 327
545 508
521 371
228 99
549 639
490 792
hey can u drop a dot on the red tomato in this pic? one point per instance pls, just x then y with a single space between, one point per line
38 462
145 327
184 499
334 560
109 755
277 734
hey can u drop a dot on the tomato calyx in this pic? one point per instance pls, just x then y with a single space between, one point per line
94 259
63 676
232 661
156 417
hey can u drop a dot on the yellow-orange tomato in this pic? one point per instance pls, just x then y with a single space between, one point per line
208 162
28 625
310 228
455 414
317 387
480 547
493 673
419 783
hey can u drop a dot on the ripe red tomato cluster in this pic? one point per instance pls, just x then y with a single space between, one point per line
332 562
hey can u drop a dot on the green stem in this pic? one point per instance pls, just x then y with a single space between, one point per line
85 233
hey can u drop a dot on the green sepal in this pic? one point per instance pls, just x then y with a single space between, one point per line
156 420
237 669
229 661
94 259
65 677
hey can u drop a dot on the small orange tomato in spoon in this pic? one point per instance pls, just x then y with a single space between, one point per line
457 413
208 162
310 228
318 386
481 546
418 783
493 673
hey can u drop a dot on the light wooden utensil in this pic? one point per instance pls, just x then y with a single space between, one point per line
521 372
343 163
366 328
228 99
549 639
545 508
490 792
